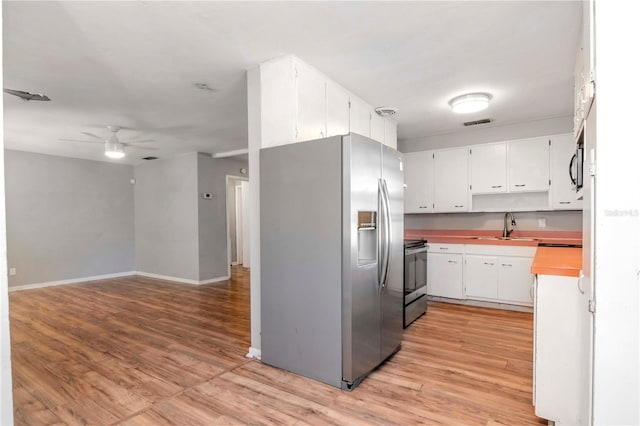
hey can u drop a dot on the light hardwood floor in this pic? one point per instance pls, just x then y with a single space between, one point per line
140 351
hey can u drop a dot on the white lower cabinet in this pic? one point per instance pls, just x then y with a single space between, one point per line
562 338
515 280
482 277
492 273
444 271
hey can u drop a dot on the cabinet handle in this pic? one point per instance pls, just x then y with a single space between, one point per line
453 261
444 248
507 265
579 283
531 290
496 186
422 207
487 263
520 186
459 206
565 202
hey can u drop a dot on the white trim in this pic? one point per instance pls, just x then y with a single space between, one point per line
230 153
254 353
215 280
181 280
71 281
234 263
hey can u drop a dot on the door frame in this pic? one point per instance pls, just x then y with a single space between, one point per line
226 200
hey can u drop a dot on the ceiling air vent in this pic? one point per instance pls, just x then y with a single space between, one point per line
475 123
149 158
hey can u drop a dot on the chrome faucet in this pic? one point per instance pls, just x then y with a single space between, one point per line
505 231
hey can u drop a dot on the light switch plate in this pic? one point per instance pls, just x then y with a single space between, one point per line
542 222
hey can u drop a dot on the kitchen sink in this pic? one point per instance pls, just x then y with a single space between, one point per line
504 239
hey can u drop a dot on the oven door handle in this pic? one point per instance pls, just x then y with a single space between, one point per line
409 252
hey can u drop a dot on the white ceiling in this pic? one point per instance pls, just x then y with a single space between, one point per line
135 64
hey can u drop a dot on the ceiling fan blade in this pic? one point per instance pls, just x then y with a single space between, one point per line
146 148
78 140
93 136
141 141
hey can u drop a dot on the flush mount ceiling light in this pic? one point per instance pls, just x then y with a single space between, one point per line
471 102
386 111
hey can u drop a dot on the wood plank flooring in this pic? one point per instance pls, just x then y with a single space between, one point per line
140 351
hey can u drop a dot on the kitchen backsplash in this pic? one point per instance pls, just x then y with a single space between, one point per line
529 221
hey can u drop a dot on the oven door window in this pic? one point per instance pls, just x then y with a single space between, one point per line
421 269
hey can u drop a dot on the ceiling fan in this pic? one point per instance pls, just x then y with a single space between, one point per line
113 147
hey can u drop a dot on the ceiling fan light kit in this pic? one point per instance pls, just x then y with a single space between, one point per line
113 149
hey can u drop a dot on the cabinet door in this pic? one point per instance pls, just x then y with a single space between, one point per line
390 133
359 117
377 127
311 114
488 168
418 178
482 277
529 165
444 275
515 280
562 192
337 110
451 180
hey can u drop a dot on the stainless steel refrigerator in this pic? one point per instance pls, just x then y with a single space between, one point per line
331 244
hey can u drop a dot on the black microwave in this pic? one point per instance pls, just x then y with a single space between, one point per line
576 168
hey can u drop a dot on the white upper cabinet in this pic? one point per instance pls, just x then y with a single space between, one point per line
299 103
311 93
451 180
488 168
377 127
563 193
337 110
360 117
529 165
418 178
390 133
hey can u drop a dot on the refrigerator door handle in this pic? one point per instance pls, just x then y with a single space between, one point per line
379 234
387 235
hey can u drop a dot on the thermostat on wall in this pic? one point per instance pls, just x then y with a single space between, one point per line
207 195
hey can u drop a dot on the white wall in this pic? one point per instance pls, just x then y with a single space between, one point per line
526 221
489 133
67 218
6 397
616 388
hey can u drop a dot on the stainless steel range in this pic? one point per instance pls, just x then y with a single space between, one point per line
415 280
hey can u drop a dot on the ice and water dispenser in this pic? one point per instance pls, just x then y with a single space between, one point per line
367 237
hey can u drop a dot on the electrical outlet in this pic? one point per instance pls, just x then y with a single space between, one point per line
542 222
12 271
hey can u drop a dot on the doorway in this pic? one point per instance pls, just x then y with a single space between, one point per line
237 221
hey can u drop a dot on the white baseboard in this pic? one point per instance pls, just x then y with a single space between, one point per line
181 280
215 280
254 353
71 281
234 263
